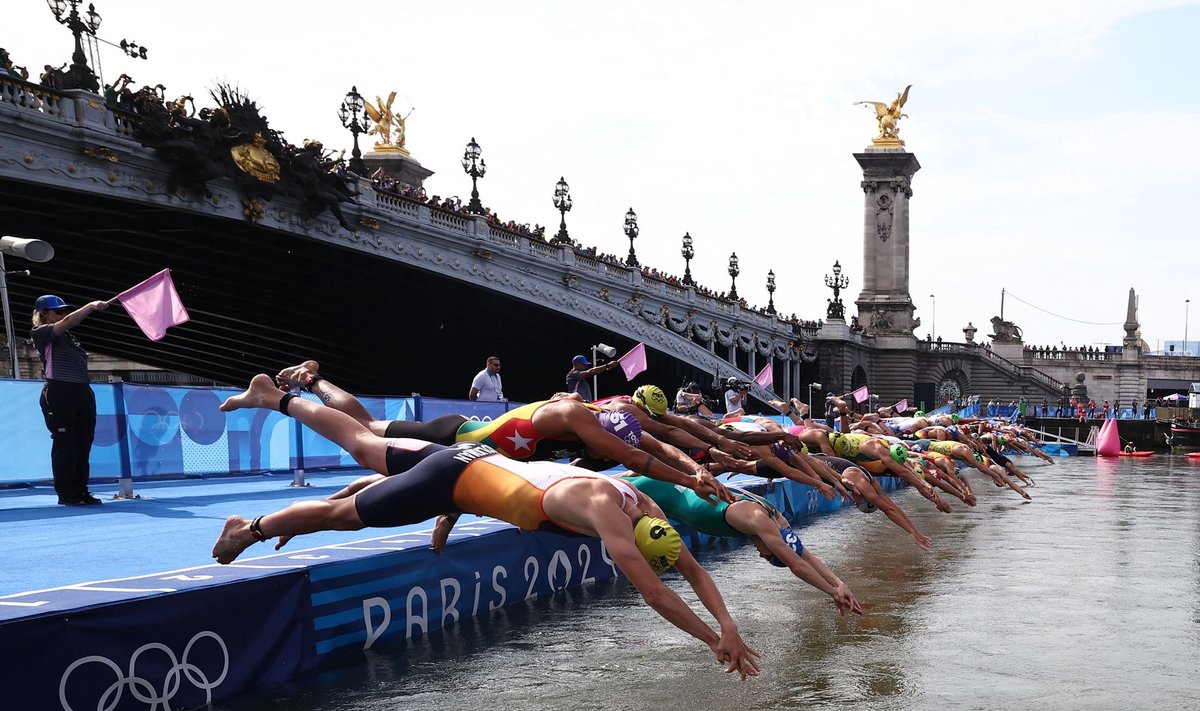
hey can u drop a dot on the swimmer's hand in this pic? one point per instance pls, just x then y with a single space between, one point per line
741 450
921 540
735 654
282 541
710 489
845 600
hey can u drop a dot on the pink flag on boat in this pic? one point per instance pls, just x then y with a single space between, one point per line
861 395
765 377
154 305
634 361
901 406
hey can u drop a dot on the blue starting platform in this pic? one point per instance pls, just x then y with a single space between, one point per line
118 606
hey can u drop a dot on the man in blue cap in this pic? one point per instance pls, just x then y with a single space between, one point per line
581 370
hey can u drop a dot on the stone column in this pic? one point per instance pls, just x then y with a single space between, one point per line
885 307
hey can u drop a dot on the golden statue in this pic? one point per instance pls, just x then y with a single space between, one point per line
387 122
888 116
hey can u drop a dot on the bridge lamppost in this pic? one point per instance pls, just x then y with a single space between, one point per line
35 250
688 252
837 282
353 116
811 387
474 166
631 231
733 275
80 75
1186 305
933 317
562 201
771 291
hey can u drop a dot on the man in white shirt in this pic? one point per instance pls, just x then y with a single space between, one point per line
487 385
735 398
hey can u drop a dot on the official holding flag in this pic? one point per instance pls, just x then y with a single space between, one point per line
67 401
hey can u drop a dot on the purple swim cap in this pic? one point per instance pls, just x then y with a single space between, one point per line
621 425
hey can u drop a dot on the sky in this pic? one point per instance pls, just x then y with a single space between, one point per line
1058 140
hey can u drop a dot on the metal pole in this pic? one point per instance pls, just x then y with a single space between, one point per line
8 325
1186 305
596 378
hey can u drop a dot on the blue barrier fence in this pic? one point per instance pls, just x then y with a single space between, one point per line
152 431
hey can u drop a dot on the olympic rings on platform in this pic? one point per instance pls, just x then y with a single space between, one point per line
158 698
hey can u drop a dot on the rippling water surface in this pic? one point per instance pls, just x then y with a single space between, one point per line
1086 598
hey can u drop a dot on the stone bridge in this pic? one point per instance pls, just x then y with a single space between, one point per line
412 300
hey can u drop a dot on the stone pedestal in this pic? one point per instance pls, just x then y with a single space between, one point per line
884 305
404 168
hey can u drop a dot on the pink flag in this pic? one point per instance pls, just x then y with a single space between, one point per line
154 305
901 406
634 361
861 395
765 377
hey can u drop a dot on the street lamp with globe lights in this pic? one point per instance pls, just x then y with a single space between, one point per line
562 201
771 291
631 231
688 252
733 274
474 166
79 75
353 115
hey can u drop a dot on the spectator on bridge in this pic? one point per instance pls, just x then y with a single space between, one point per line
1104 411
68 403
1091 409
1135 409
581 370
487 385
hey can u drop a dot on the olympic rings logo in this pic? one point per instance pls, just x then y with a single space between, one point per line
144 689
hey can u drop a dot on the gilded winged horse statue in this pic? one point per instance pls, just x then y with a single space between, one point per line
889 116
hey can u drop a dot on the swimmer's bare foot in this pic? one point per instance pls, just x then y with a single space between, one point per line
261 393
441 532
798 407
234 539
298 377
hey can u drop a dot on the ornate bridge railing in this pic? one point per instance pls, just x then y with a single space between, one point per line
72 140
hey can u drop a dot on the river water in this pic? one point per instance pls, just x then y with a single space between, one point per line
1086 598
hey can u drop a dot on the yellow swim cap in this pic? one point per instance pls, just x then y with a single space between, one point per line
652 398
658 541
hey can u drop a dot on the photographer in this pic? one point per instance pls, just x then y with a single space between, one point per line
736 394
690 401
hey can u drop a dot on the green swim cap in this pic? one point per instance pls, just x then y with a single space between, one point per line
920 413
899 453
954 419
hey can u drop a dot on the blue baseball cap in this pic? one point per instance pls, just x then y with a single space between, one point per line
49 302
581 360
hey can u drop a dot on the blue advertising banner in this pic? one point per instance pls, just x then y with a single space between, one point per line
184 650
156 431
411 593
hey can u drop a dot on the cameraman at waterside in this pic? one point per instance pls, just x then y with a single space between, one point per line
735 397
67 401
